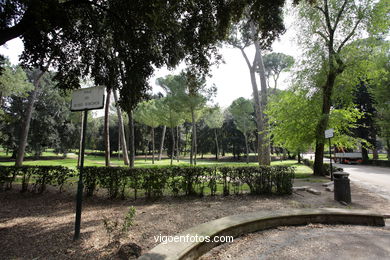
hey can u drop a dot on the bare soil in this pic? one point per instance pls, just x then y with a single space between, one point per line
41 226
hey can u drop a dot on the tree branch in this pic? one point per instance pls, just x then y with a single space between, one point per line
20 28
322 36
339 14
246 58
349 35
327 19
320 9
17 30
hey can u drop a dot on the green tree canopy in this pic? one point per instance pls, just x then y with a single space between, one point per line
242 111
146 113
13 81
214 118
294 116
111 38
275 63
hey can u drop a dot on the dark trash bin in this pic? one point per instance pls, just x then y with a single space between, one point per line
342 189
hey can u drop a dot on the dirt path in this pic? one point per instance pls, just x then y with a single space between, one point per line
41 226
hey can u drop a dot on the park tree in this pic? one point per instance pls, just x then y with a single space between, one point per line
52 125
380 91
232 140
367 129
13 81
35 77
326 28
190 94
147 114
294 115
357 85
170 117
193 98
121 128
242 112
214 120
275 63
244 34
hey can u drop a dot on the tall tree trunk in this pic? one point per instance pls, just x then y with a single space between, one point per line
323 124
26 122
365 155
121 130
131 138
216 145
264 157
119 143
247 148
299 157
173 143
375 154
177 143
162 142
192 140
153 148
194 143
107 129
186 144
256 98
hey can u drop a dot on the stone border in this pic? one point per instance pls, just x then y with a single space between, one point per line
238 225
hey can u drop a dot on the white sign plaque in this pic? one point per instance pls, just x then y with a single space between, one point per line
88 98
329 133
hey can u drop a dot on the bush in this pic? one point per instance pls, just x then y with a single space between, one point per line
7 176
154 181
43 175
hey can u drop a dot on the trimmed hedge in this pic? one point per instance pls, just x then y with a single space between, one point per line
157 181
42 175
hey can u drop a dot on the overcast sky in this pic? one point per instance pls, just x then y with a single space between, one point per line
231 78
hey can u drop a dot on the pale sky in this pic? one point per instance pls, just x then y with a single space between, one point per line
231 78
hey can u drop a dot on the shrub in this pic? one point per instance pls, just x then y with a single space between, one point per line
7 176
154 181
43 175
50 175
117 228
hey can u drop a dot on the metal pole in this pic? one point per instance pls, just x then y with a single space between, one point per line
330 162
80 185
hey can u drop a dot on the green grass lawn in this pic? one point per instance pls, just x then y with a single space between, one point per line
382 156
302 171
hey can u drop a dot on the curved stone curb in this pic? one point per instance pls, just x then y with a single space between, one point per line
237 225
